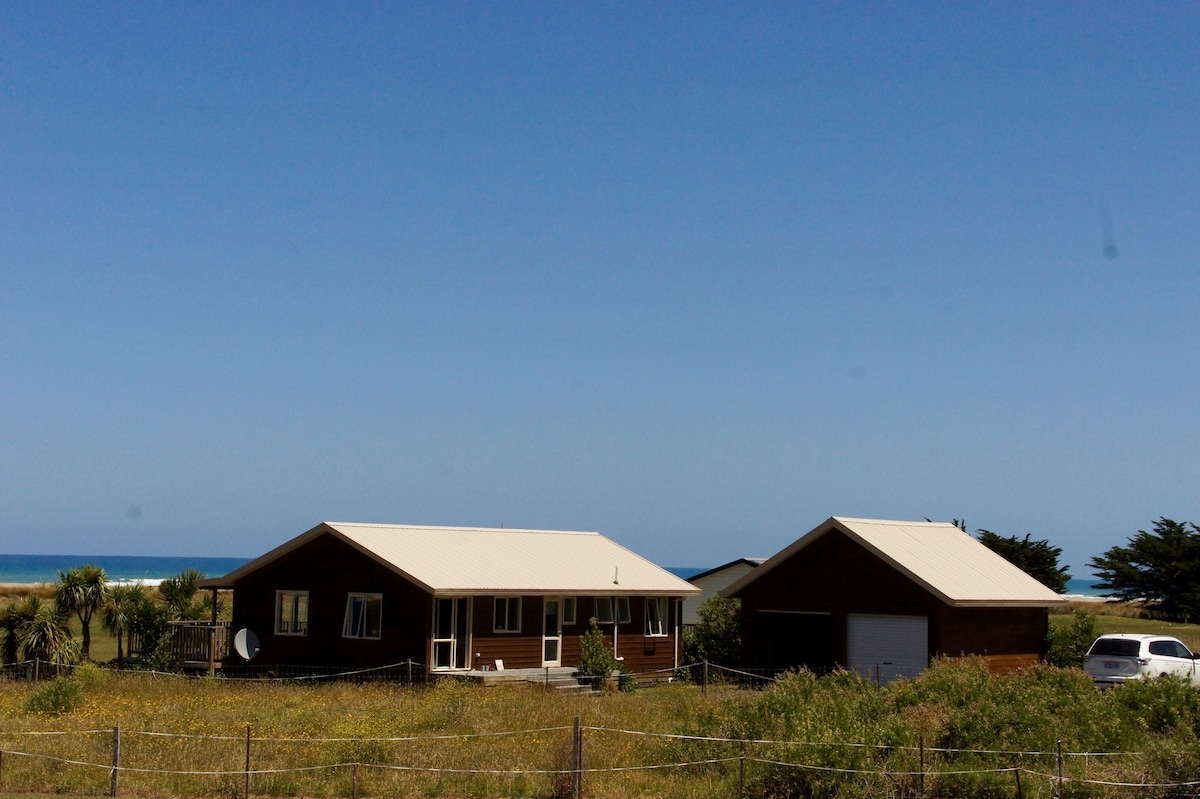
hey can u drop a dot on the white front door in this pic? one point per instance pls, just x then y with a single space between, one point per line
451 633
552 631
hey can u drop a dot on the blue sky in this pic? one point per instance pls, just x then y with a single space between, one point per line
696 277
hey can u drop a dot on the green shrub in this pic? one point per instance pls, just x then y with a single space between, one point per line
1067 644
595 658
717 637
1164 705
89 675
60 695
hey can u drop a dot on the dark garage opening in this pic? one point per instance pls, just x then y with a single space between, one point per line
785 640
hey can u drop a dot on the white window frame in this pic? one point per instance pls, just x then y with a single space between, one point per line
618 609
296 601
656 627
568 610
507 620
360 619
622 608
604 616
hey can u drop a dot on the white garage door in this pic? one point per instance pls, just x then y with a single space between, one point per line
887 647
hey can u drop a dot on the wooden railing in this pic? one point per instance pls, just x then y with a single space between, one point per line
199 644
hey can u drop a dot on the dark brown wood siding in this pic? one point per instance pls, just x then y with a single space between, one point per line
523 650
329 570
518 650
834 575
994 632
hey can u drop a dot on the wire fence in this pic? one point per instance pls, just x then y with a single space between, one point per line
554 761
566 760
407 672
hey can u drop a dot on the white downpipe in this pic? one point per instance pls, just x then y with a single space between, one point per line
678 643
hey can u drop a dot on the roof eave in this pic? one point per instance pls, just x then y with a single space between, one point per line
449 591
1008 603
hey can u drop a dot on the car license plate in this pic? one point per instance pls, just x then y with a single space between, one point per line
1108 664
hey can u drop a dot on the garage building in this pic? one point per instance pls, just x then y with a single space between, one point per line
885 597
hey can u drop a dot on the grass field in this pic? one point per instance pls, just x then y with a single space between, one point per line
1123 618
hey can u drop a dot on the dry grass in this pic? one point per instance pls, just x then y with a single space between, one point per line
10 592
298 726
448 747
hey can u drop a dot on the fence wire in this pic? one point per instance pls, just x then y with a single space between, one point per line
57 760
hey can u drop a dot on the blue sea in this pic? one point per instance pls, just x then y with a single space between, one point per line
152 569
119 568
1080 587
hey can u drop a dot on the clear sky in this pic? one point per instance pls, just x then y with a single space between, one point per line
694 276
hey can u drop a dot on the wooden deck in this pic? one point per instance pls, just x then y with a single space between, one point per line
200 645
560 678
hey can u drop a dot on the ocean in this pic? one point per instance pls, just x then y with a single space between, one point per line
151 569
119 568
1080 587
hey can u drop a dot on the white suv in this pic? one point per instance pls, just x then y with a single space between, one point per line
1118 657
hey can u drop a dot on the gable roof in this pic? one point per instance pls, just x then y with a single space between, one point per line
938 556
751 562
482 561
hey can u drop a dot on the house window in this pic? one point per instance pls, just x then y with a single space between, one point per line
364 616
508 615
291 613
606 606
568 610
603 612
656 614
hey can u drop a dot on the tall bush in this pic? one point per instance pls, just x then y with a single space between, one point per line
595 658
1067 644
717 636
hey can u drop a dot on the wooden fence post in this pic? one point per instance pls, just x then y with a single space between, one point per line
1 767
247 761
117 760
1018 773
577 777
1058 768
704 678
354 783
921 743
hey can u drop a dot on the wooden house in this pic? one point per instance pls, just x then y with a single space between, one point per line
453 599
711 582
884 597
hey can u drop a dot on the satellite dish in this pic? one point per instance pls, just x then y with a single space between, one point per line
245 643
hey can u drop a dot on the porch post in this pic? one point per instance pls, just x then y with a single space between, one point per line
212 637
212 649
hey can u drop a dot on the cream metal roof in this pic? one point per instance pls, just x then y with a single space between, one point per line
473 560
936 555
